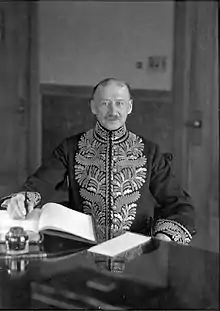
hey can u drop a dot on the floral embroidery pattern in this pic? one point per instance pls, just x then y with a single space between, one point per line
110 170
174 230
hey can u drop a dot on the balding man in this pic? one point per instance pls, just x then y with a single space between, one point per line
112 174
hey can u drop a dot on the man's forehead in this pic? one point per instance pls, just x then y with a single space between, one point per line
113 88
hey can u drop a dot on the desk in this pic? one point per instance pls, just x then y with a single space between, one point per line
158 275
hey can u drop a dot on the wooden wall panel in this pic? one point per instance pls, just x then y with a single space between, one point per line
15 94
63 116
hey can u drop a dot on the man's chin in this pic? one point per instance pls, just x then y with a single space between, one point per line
112 125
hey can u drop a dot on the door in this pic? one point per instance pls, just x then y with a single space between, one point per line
195 86
14 94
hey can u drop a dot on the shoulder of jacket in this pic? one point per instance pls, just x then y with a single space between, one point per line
149 145
74 138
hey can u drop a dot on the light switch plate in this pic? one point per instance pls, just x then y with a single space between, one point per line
157 63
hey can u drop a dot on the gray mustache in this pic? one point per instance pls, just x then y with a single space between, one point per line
112 118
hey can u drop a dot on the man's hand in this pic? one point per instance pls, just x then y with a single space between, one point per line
16 207
163 237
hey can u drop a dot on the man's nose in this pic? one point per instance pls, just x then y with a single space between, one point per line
112 110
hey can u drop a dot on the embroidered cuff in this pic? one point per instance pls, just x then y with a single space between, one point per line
177 232
33 197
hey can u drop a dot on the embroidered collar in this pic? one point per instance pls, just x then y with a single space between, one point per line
104 135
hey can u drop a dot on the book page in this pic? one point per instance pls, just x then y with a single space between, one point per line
119 244
29 224
60 218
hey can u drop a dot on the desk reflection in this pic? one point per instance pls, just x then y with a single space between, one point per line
155 275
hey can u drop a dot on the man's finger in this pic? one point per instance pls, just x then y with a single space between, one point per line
16 207
30 207
13 210
20 202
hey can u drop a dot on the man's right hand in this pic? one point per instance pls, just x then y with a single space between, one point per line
16 207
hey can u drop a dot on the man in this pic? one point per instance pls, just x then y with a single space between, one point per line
112 174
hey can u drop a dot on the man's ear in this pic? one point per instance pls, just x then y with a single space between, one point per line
92 106
130 106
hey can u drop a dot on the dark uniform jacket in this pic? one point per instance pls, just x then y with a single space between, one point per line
118 177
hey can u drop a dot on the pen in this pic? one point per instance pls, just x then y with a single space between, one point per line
26 202
151 226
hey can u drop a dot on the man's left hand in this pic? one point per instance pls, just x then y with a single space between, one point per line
163 237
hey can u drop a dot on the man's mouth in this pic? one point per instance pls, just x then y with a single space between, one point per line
112 118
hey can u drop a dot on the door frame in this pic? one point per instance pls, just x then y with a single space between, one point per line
195 26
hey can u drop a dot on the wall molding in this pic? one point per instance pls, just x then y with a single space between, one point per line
85 92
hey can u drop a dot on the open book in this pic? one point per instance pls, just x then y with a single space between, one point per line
53 219
58 220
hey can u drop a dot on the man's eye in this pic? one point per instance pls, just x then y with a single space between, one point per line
104 103
119 103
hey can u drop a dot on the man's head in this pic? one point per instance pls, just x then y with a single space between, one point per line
111 103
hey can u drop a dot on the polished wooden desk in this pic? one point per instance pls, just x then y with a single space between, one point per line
158 275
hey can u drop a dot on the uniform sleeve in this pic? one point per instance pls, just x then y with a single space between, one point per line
176 214
49 183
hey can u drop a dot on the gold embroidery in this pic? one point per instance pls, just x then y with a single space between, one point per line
123 220
125 200
94 198
110 170
102 134
98 215
174 230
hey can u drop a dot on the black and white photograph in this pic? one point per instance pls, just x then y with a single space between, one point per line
109 155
